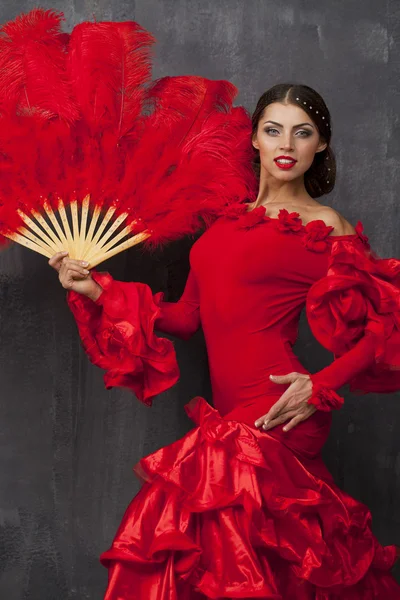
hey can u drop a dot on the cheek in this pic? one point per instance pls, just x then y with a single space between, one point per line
267 145
306 152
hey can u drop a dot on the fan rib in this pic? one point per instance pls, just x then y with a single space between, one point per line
41 234
96 251
136 239
20 239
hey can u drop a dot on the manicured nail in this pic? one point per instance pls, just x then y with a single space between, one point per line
285 429
86 271
84 264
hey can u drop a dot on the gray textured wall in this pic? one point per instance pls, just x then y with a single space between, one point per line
66 445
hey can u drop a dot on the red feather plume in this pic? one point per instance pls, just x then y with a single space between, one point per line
80 116
33 77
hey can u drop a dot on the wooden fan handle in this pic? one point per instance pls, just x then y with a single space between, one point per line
27 233
103 224
97 250
56 225
83 225
136 239
57 242
40 235
23 241
67 229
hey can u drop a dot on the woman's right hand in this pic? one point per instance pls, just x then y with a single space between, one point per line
74 275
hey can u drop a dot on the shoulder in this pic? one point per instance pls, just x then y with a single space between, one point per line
333 218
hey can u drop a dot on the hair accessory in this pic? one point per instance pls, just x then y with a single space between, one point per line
316 112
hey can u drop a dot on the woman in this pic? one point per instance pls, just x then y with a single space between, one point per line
243 506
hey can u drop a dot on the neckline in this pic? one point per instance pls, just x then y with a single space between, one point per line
303 226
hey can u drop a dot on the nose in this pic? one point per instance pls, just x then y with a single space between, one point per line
286 142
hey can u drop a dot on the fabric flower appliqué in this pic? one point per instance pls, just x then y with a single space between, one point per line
359 231
316 234
254 217
235 210
324 398
289 221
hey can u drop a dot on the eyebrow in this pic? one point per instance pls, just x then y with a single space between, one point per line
294 126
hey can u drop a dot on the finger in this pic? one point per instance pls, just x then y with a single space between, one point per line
279 407
55 260
76 273
288 378
279 420
75 270
273 415
73 262
69 278
293 422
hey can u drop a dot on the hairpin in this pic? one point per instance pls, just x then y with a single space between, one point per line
316 112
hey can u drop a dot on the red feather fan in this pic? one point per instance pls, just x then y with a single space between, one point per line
94 156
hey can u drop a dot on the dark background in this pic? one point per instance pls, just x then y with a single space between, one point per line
67 445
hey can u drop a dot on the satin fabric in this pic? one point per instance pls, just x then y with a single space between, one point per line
229 511
233 512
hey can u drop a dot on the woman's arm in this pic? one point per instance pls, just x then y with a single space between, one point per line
181 318
116 322
345 368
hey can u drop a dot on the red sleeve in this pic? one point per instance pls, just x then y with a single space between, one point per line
354 311
117 333
181 318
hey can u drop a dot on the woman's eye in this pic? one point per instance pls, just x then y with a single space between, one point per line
300 133
271 131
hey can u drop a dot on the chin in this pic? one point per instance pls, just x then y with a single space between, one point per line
284 176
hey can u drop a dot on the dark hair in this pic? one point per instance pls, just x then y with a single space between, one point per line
321 176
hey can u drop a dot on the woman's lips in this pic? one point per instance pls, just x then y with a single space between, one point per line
285 162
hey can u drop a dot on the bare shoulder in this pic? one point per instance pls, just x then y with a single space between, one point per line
331 217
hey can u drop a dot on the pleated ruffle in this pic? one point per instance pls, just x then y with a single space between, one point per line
230 512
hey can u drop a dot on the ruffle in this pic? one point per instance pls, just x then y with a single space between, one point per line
289 221
360 295
316 235
241 517
253 217
117 333
324 398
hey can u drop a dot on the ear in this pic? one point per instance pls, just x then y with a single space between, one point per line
255 142
321 146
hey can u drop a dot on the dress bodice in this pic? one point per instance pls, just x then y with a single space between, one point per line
256 276
253 274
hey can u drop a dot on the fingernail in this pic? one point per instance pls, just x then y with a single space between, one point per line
84 263
65 252
285 429
86 271
271 376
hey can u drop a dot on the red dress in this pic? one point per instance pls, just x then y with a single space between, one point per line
230 511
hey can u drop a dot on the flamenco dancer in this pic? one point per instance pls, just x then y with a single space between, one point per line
243 506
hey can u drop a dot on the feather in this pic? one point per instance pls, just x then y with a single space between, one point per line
161 158
33 67
109 64
181 104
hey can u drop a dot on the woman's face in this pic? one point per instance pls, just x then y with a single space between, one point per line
287 139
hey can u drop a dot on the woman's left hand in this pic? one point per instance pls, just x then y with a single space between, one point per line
292 406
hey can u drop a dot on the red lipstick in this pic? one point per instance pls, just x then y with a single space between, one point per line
285 162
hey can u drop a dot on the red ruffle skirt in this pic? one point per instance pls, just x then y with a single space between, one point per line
231 512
